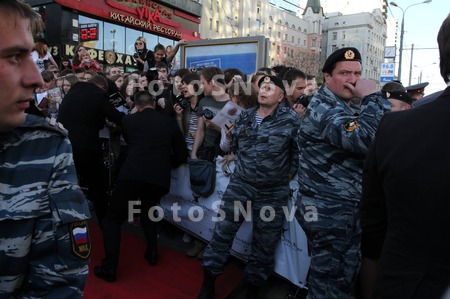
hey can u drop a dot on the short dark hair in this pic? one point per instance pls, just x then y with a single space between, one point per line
161 65
100 81
143 98
292 75
393 86
47 76
212 72
159 47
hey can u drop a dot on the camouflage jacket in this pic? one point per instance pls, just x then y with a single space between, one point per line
44 238
266 154
333 141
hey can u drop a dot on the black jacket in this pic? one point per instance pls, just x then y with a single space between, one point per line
83 113
406 202
155 145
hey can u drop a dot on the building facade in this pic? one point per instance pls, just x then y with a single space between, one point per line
109 28
293 40
365 31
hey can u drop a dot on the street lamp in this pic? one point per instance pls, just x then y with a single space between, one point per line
402 31
419 79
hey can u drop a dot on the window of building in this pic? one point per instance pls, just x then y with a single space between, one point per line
279 34
343 34
334 36
285 36
114 38
292 40
218 6
334 48
293 26
313 43
278 49
299 40
210 23
258 24
270 30
217 26
285 50
286 24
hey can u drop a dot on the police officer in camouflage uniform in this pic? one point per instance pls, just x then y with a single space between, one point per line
44 238
264 143
333 140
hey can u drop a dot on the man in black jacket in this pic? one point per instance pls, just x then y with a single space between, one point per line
155 145
405 199
83 113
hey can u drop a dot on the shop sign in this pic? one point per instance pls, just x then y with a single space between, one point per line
150 16
103 56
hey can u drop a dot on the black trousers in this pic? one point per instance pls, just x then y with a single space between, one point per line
118 211
91 170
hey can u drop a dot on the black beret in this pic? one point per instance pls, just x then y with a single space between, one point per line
400 95
274 80
344 54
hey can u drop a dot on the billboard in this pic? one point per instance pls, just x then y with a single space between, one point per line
244 53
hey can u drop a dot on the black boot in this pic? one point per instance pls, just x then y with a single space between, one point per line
207 291
252 291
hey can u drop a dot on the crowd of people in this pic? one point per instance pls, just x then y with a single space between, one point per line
379 195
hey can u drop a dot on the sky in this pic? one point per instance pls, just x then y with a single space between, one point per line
422 23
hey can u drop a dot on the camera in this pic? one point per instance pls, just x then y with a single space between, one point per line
152 74
136 55
208 114
303 99
183 103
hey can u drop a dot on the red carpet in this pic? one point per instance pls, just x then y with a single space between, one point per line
174 277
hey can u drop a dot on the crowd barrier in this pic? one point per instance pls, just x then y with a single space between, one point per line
198 215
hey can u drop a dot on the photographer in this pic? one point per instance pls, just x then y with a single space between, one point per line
88 63
142 55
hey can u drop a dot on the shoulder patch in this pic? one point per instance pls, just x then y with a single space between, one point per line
80 239
351 125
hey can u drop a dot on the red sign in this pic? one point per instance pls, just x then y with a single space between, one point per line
88 32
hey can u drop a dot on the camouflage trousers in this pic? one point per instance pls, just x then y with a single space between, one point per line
266 233
334 238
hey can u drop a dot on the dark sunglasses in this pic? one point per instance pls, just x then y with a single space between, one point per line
138 43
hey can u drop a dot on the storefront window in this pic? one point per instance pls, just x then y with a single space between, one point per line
114 38
152 40
95 44
131 36
165 41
